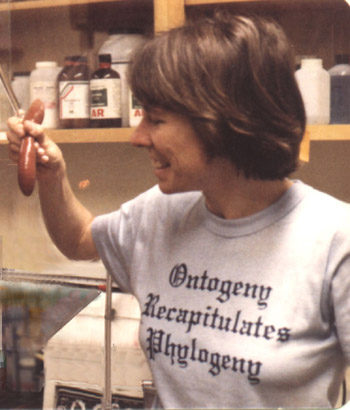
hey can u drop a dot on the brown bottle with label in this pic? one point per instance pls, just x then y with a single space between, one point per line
74 100
105 95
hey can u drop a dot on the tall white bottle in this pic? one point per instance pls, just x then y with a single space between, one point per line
314 85
43 85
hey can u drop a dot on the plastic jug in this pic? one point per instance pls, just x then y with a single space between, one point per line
314 85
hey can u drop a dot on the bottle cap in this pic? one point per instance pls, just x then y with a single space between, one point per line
79 59
105 58
342 59
312 62
46 64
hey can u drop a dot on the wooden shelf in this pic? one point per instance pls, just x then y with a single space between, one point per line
89 135
37 4
168 10
333 132
86 135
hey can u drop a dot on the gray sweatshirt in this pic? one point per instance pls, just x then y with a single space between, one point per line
245 313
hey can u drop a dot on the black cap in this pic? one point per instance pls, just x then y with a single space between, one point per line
342 59
79 59
105 58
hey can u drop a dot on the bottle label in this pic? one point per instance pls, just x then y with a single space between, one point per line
135 112
46 91
105 98
74 99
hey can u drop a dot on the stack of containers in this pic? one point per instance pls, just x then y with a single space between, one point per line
326 95
67 92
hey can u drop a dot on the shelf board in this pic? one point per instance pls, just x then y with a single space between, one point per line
85 135
333 132
88 135
37 4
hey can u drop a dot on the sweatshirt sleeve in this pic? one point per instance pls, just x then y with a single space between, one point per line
110 241
339 264
116 234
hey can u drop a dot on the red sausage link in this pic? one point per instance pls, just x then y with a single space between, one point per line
27 153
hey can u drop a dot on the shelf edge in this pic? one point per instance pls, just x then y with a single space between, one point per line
90 135
86 135
332 132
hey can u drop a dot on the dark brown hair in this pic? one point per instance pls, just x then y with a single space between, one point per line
233 76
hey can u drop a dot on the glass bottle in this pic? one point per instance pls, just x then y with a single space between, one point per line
74 101
105 95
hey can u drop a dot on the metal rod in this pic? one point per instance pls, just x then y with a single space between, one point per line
9 91
107 394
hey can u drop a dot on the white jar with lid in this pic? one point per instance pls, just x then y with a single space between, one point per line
314 85
43 85
120 46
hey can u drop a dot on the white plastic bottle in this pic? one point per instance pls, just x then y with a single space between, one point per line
20 86
314 85
43 85
120 46
340 90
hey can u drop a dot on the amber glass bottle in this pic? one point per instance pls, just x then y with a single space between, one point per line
105 95
73 86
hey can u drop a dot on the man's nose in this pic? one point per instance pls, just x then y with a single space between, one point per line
141 137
